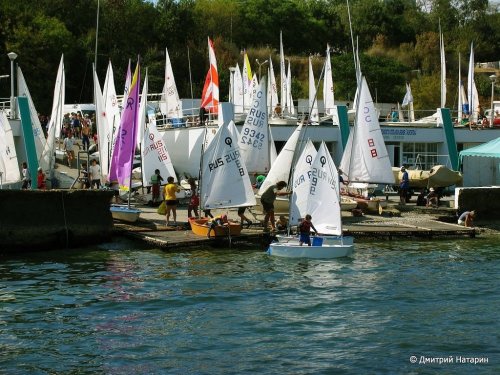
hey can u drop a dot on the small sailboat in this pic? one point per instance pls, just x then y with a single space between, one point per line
124 150
9 165
224 182
323 204
365 158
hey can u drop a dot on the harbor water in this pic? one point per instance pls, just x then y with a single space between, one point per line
400 307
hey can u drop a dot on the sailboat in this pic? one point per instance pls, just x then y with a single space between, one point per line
9 166
365 159
255 140
323 204
55 124
224 182
170 105
124 149
313 103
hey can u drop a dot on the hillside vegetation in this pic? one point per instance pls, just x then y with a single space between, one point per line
398 42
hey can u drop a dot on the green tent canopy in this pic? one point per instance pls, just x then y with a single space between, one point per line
490 149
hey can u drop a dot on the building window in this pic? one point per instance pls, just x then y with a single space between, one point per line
420 155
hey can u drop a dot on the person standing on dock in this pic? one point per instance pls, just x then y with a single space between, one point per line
95 175
156 180
404 185
267 199
170 193
194 200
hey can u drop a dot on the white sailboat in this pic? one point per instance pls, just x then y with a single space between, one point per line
170 104
280 169
323 204
472 95
272 91
313 103
224 181
236 90
38 135
365 159
290 108
247 82
55 124
328 94
255 138
111 113
103 130
9 165
283 77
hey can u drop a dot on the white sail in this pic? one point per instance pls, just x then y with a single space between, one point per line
328 95
323 202
55 124
103 130
253 87
289 102
365 157
280 169
247 82
283 78
460 89
472 96
38 135
155 156
9 165
236 90
301 183
141 115
254 139
185 148
272 92
225 182
443 70
313 101
170 104
112 114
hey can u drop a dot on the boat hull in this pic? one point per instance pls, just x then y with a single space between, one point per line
327 240
124 213
313 252
201 227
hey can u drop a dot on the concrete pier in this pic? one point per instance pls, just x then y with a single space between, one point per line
39 220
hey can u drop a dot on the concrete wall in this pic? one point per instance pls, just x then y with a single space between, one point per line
41 220
484 200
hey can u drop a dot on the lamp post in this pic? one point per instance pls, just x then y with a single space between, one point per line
260 65
493 79
232 69
12 57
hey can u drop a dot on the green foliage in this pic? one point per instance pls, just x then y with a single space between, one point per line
395 37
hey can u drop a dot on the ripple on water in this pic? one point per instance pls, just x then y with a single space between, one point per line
230 311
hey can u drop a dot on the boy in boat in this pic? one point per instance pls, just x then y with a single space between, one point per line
217 221
305 230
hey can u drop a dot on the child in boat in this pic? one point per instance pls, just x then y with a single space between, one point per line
217 221
305 230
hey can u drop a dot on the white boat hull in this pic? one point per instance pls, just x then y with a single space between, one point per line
327 240
124 213
314 252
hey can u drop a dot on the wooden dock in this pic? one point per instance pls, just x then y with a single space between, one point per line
151 230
